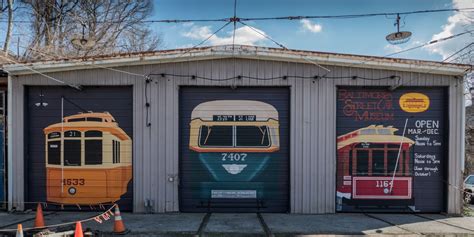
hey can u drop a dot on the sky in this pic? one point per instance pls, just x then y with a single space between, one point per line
364 36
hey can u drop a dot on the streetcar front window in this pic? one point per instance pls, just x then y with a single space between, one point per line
93 152
362 162
252 136
54 152
93 147
72 152
216 136
392 160
378 157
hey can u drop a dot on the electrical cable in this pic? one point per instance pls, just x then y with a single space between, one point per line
148 79
351 16
285 77
282 46
465 47
264 35
75 105
444 60
85 63
78 87
347 16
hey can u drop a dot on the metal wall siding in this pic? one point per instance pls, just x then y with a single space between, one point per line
312 124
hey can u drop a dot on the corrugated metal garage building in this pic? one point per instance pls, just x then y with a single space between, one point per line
243 130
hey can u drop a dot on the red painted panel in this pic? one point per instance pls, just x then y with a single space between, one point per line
379 188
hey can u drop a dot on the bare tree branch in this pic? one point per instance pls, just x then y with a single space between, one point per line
113 26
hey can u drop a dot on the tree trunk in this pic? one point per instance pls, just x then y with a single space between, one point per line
8 36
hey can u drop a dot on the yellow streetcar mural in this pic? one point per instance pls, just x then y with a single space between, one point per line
88 160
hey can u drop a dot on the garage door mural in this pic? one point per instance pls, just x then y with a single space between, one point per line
234 149
80 146
391 149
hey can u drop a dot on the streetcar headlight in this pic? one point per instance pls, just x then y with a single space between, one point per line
72 190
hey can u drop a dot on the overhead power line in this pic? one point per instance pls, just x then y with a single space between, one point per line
231 19
78 87
350 16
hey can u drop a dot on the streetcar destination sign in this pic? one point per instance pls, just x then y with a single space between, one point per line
234 118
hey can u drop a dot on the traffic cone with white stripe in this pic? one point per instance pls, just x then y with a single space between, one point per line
119 227
19 231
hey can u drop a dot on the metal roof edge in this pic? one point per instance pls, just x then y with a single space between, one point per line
246 52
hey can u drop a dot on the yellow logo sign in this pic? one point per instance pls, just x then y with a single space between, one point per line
414 102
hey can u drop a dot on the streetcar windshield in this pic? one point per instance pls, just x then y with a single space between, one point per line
252 136
54 152
216 136
234 136
369 159
72 152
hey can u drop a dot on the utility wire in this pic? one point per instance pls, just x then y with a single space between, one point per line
347 16
465 47
284 77
444 60
148 79
264 35
44 75
196 45
282 46
85 63
350 16
74 104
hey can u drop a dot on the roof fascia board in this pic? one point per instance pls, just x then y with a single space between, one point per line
327 60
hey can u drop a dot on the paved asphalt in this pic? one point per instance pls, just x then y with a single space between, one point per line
251 224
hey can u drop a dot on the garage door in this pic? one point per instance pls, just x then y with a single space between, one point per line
391 149
79 150
234 149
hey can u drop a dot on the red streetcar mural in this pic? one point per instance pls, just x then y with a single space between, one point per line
374 164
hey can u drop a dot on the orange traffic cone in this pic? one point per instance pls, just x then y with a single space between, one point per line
39 220
78 232
19 231
119 227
